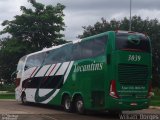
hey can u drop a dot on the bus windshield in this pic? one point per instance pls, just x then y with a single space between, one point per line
21 64
132 42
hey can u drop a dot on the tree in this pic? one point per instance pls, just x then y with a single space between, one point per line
36 28
39 26
149 27
99 27
9 56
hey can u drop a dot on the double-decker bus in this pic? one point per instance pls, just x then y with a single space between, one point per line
109 71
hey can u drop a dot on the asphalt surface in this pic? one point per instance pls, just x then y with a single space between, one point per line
12 110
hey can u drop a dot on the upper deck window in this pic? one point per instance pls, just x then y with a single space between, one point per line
35 60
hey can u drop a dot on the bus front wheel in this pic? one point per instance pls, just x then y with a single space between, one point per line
23 98
79 105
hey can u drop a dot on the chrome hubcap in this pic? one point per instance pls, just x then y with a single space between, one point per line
79 105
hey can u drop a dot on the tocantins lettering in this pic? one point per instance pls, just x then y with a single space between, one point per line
89 67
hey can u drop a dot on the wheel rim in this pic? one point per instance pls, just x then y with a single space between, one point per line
80 106
67 104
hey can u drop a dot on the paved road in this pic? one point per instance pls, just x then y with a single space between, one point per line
11 110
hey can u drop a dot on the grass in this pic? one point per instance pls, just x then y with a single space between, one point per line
7 96
155 100
7 91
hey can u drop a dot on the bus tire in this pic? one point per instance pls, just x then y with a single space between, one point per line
79 105
67 104
23 98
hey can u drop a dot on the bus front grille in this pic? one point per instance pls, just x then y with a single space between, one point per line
131 74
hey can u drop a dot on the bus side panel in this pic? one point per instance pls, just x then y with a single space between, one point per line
86 78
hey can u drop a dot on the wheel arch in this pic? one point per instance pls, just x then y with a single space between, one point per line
76 95
23 93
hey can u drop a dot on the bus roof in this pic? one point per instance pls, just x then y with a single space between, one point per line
79 40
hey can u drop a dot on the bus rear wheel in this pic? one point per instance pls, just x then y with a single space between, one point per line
79 105
67 105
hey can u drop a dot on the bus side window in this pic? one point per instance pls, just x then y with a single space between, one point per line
60 55
68 52
35 60
99 46
87 51
53 57
77 51
94 47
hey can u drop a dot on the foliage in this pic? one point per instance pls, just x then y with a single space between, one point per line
144 26
11 51
155 100
9 88
7 96
36 28
149 27
156 91
39 26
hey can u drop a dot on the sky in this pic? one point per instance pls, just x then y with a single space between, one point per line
80 13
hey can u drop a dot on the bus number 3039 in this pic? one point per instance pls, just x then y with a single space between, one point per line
134 58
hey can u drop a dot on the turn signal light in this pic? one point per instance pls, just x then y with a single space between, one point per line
17 82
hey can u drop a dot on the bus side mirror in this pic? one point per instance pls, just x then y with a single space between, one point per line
25 68
108 58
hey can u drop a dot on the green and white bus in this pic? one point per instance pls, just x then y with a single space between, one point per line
109 71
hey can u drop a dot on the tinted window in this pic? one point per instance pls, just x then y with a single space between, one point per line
59 55
35 60
99 46
90 48
51 82
132 42
85 49
77 51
